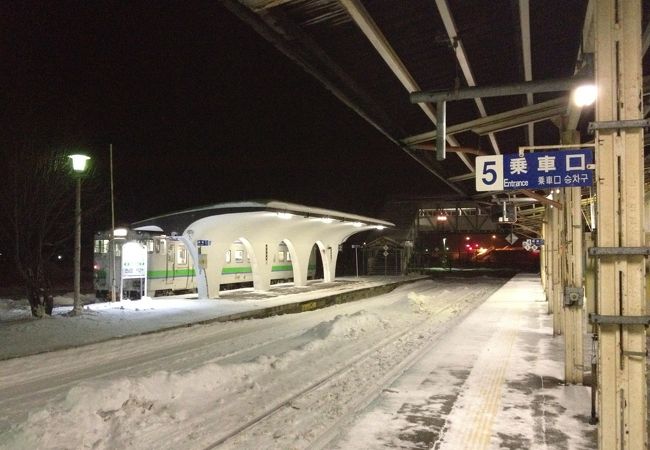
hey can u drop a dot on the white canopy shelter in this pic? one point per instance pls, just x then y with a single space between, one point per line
260 226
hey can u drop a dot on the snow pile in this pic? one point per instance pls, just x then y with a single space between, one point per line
422 303
113 413
14 309
347 326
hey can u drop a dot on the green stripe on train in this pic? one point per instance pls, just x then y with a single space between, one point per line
231 270
154 274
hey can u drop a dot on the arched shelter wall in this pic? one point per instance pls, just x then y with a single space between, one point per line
261 232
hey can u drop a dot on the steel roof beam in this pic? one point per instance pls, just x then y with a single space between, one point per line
502 121
524 21
370 29
553 85
463 61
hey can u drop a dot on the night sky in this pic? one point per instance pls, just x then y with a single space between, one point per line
199 108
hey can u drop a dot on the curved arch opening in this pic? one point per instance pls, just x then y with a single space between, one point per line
282 269
319 263
240 266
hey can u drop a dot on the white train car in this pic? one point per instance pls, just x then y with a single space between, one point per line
170 270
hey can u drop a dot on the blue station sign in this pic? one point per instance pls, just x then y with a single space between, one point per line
539 170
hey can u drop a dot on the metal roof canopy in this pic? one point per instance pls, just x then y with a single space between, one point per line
372 53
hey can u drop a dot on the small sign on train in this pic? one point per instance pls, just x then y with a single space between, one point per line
203 243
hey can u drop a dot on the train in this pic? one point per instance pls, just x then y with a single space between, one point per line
170 270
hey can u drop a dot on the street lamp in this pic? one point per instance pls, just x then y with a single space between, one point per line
79 167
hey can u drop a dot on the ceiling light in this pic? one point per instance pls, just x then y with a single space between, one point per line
585 95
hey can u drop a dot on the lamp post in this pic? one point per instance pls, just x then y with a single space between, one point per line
79 167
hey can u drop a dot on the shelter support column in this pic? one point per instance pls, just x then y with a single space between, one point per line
573 290
548 258
300 260
622 405
262 265
557 272
215 255
542 256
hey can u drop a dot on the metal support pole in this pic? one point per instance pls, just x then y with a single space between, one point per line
113 269
77 306
622 408
441 128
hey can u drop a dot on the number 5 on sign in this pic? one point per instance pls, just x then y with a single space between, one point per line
489 173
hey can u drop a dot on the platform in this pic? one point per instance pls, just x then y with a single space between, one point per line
493 382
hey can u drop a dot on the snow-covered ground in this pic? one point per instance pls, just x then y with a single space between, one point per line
430 357
22 335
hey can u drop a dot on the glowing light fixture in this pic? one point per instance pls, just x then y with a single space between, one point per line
357 224
467 238
79 162
441 218
120 232
285 215
380 227
585 95
326 220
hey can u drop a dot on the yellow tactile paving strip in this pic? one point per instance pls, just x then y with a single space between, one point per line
481 401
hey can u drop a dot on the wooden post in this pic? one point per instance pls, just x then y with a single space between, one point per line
622 405
573 314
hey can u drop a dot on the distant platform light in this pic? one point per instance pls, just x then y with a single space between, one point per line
467 238
380 227
285 215
326 220
585 95
59 257
357 224
441 218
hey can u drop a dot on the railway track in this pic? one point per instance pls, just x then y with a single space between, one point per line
349 382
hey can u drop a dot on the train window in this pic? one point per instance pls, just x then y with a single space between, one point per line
288 256
149 245
163 246
157 245
181 256
118 249
101 246
239 256
281 256
228 256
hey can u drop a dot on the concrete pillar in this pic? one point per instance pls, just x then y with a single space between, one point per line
215 256
622 405
261 256
300 260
